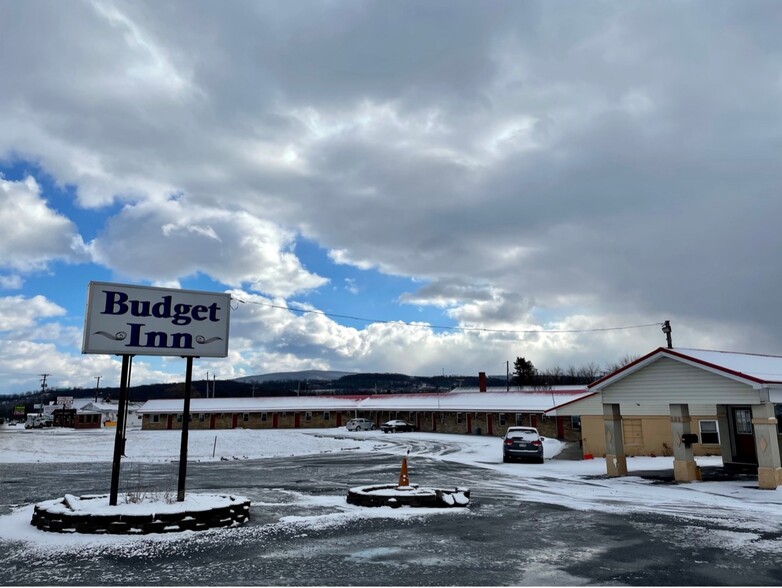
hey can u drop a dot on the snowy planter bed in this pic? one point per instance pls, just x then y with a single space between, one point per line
412 495
93 514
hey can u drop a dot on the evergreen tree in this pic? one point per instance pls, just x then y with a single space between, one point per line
523 372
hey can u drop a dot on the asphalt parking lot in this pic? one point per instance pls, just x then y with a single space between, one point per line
302 533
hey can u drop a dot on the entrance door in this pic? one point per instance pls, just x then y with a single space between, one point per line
170 422
297 420
275 420
212 421
560 427
533 420
434 421
469 422
743 438
234 420
490 424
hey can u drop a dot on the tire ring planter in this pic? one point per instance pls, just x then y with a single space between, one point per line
63 515
395 496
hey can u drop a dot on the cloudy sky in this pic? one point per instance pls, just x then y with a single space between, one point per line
503 169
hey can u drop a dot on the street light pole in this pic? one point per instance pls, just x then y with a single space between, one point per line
667 330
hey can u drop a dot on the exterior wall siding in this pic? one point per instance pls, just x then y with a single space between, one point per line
593 405
667 381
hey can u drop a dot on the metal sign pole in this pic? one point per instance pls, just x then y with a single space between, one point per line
119 441
185 424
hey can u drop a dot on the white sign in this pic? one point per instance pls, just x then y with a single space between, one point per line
65 401
141 320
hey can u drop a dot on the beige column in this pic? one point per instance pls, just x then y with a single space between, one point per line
684 467
724 429
765 425
616 460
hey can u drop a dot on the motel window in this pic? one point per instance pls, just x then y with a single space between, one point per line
518 419
458 418
743 421
155 418
201 417
264 416
709 432
246 417
326 415
502 419
575 423
179 418
308 416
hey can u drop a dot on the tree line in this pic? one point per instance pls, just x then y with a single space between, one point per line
525 373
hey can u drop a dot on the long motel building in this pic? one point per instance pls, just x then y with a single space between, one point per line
481 410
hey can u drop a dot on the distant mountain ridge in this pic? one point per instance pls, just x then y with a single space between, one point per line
294 376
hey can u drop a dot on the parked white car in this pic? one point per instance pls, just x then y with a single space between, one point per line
360 425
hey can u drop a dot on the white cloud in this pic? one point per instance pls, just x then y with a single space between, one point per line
176 239
33 234
11 282
19 312
605 164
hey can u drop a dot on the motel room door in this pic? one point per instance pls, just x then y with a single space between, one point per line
743 442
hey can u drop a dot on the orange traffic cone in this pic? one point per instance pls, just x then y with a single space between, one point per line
403 479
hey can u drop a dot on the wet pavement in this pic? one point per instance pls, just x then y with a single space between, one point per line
303 533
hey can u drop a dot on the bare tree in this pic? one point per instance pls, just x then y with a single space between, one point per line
622 362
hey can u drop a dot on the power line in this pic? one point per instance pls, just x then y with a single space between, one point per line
444 327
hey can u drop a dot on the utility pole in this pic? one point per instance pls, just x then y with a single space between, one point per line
43 388
97 385
507 376
667 331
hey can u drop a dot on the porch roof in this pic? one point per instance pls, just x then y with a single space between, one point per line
753 369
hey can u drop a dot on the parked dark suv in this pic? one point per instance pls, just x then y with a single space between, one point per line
522 443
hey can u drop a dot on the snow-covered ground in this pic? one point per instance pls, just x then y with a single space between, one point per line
578 484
